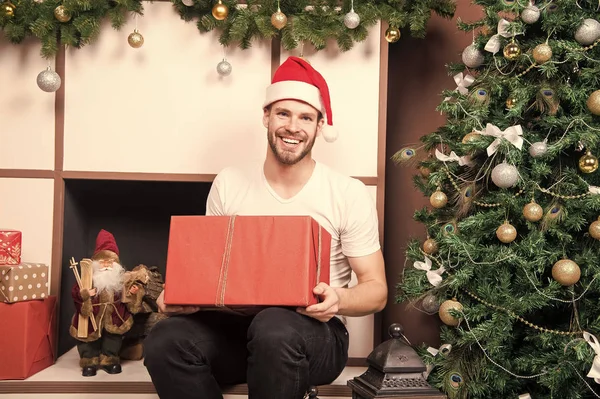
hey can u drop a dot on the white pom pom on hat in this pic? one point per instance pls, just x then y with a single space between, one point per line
296 79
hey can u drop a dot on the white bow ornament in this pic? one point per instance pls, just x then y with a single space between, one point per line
594 189
493 45
462 161
513 134
462 82
433 276
595 369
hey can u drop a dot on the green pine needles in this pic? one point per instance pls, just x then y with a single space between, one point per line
313 22
514 229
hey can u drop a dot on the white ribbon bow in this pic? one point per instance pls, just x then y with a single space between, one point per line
462 82
594 189
595 369
493 45
513 134
525 396
434 276
462 161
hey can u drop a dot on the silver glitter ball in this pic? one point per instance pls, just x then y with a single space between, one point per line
538 149
430 304
224 68
351 20
530 14
188 3
505 175
588 32
48 80
472 57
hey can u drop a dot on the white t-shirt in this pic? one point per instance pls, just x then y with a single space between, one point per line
340 204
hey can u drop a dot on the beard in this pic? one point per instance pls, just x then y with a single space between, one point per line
107 279
287 157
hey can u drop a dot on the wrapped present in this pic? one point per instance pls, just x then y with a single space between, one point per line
10 247
217 261
23 282
27 339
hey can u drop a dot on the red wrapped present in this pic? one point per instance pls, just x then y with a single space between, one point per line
245 260
27 337
10 247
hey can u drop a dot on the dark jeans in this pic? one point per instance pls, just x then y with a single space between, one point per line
278 352
108 344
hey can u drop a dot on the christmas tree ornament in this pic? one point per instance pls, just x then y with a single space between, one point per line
48 80
470 137
425 171
62 14
512 51
546 101
351 20
593 102
430 246
472 57
220 11
479 96
450 228
188 3
224 68
566 272
542 53
8 9
430 304
588 163
538 149
511 102
530 14
533 212
506 233
594 229
392 34
444 312
278 19
505 175
588 32
135 39
438 199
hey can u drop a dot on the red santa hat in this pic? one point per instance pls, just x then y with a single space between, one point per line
106 241
296 79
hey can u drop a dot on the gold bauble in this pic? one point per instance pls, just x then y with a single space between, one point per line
594 229
135 39
8 9
588 163
430 246
220 11
278 19
425 172
438 199
512 51
542 53
506 233
533 212
470 137
593 102
444 312
61 14
392 35
566 272
511 102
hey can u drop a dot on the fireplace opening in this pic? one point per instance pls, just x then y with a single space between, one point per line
137 213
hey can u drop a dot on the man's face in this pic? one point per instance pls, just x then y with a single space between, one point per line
292 128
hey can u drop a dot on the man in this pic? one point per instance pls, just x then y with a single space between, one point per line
280 352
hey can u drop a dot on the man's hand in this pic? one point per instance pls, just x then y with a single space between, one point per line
173 310
327 308
92 292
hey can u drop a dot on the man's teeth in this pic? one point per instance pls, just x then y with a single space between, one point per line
290 141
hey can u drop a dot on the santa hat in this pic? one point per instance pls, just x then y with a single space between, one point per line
296 79
106 241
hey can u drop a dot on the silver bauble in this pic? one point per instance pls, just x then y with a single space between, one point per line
48 80
351 20
530 14
472 57
188 3
505 175
224 68
588 32
538 149
430 304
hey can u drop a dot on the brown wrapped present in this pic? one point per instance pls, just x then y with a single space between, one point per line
23 282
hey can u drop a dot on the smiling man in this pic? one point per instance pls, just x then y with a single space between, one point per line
279 351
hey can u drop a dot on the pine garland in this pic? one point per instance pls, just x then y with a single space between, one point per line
314 22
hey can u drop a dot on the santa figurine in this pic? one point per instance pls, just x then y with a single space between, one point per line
102 301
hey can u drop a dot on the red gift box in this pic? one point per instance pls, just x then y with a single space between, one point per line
27 337
245 260
10 247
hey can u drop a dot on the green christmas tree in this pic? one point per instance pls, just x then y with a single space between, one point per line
511 263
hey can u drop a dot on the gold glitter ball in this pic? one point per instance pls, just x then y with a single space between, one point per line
425 172
135 39
8 9
588 163
445 309
593 102
566 272
594 229
278 19
470 137
430 246
533 212
542 53
438 199
220 11
392 35
512 51
62 14
506 233
511 102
